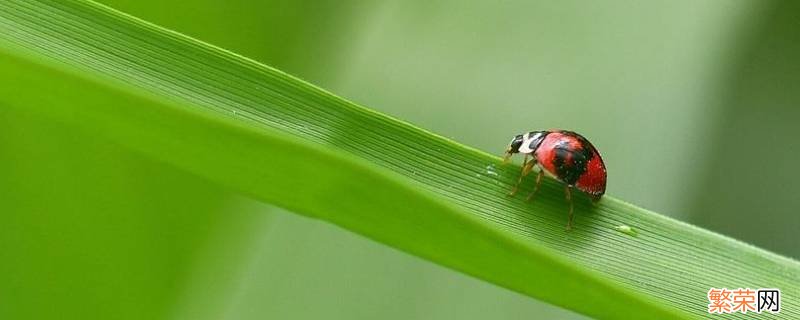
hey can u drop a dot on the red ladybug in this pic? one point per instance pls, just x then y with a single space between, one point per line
564 155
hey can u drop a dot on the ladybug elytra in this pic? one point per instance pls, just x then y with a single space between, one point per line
564 155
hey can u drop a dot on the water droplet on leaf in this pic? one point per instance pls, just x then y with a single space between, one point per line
626 230
490 170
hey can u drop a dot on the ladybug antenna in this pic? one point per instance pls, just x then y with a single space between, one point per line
507 157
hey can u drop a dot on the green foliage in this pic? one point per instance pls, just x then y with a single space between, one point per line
273 137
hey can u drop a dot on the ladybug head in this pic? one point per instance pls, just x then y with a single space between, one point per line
525 143
513 146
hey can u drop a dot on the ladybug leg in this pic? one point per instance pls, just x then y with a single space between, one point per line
571 209
526 168
536 188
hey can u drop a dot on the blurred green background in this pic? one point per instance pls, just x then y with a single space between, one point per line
694 106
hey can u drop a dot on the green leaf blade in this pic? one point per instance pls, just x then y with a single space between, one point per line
284 141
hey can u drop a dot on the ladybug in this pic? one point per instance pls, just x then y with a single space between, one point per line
564 155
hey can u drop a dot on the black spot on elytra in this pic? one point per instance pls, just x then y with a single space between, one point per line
570 163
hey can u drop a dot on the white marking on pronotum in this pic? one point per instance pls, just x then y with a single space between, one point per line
526 142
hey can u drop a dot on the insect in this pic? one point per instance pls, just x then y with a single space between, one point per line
564 155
